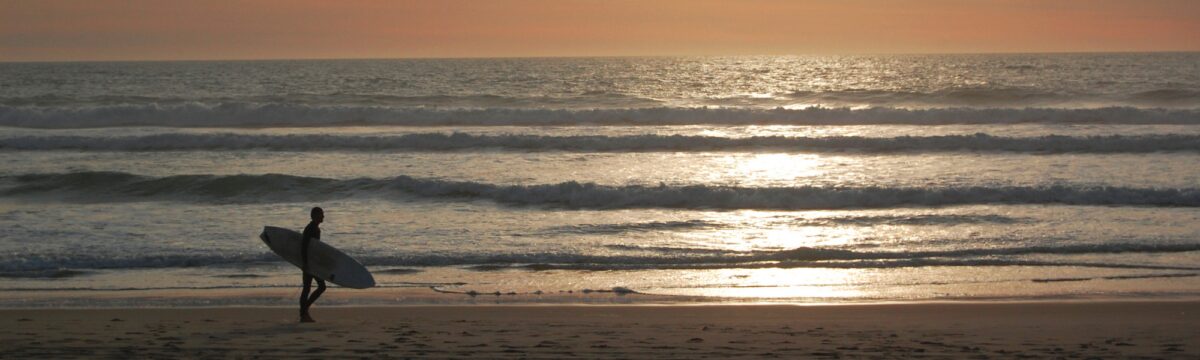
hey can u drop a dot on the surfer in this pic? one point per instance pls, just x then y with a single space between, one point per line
311 232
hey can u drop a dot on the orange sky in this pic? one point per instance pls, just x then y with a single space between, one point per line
266 29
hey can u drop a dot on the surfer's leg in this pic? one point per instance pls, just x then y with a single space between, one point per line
316 294
304 303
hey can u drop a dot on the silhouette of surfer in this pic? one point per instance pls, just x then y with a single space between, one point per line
311 232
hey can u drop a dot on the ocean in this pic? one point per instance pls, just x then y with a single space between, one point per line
783 179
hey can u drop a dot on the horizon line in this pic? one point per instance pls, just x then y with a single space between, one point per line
599 56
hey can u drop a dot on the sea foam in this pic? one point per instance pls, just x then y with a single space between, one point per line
680 258
252 115
115 186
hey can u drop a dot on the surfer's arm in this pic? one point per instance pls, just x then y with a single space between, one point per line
304 255
310 232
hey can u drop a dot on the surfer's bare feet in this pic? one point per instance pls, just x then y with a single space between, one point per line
306 319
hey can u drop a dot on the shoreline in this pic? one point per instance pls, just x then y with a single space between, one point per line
284 297
1159 329
698 303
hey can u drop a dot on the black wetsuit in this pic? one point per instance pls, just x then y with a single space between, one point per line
312 231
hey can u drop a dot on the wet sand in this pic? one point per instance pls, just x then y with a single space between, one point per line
1163 329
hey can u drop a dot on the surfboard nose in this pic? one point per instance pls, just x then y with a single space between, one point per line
265 239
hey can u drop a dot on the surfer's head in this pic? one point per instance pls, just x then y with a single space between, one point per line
317 215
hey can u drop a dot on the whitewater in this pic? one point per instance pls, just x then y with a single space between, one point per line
702 179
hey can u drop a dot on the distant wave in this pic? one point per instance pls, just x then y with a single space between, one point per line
632 143
1116 277
864 220
636 227
997 96
243 114
33 265
1167 96
47 273
669 259
594 99
114 186
921 219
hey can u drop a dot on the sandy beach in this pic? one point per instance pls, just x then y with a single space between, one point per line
930 330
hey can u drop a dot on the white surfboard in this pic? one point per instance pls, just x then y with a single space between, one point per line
324 261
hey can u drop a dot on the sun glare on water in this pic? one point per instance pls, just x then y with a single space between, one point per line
777 283
773 168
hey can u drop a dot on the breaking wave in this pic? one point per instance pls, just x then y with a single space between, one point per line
867 220
587 100
632 143
670 258
253 115
924 219
115 186
637 227
998 97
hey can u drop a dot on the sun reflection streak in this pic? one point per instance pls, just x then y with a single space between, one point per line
767 169
777 283
775 230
